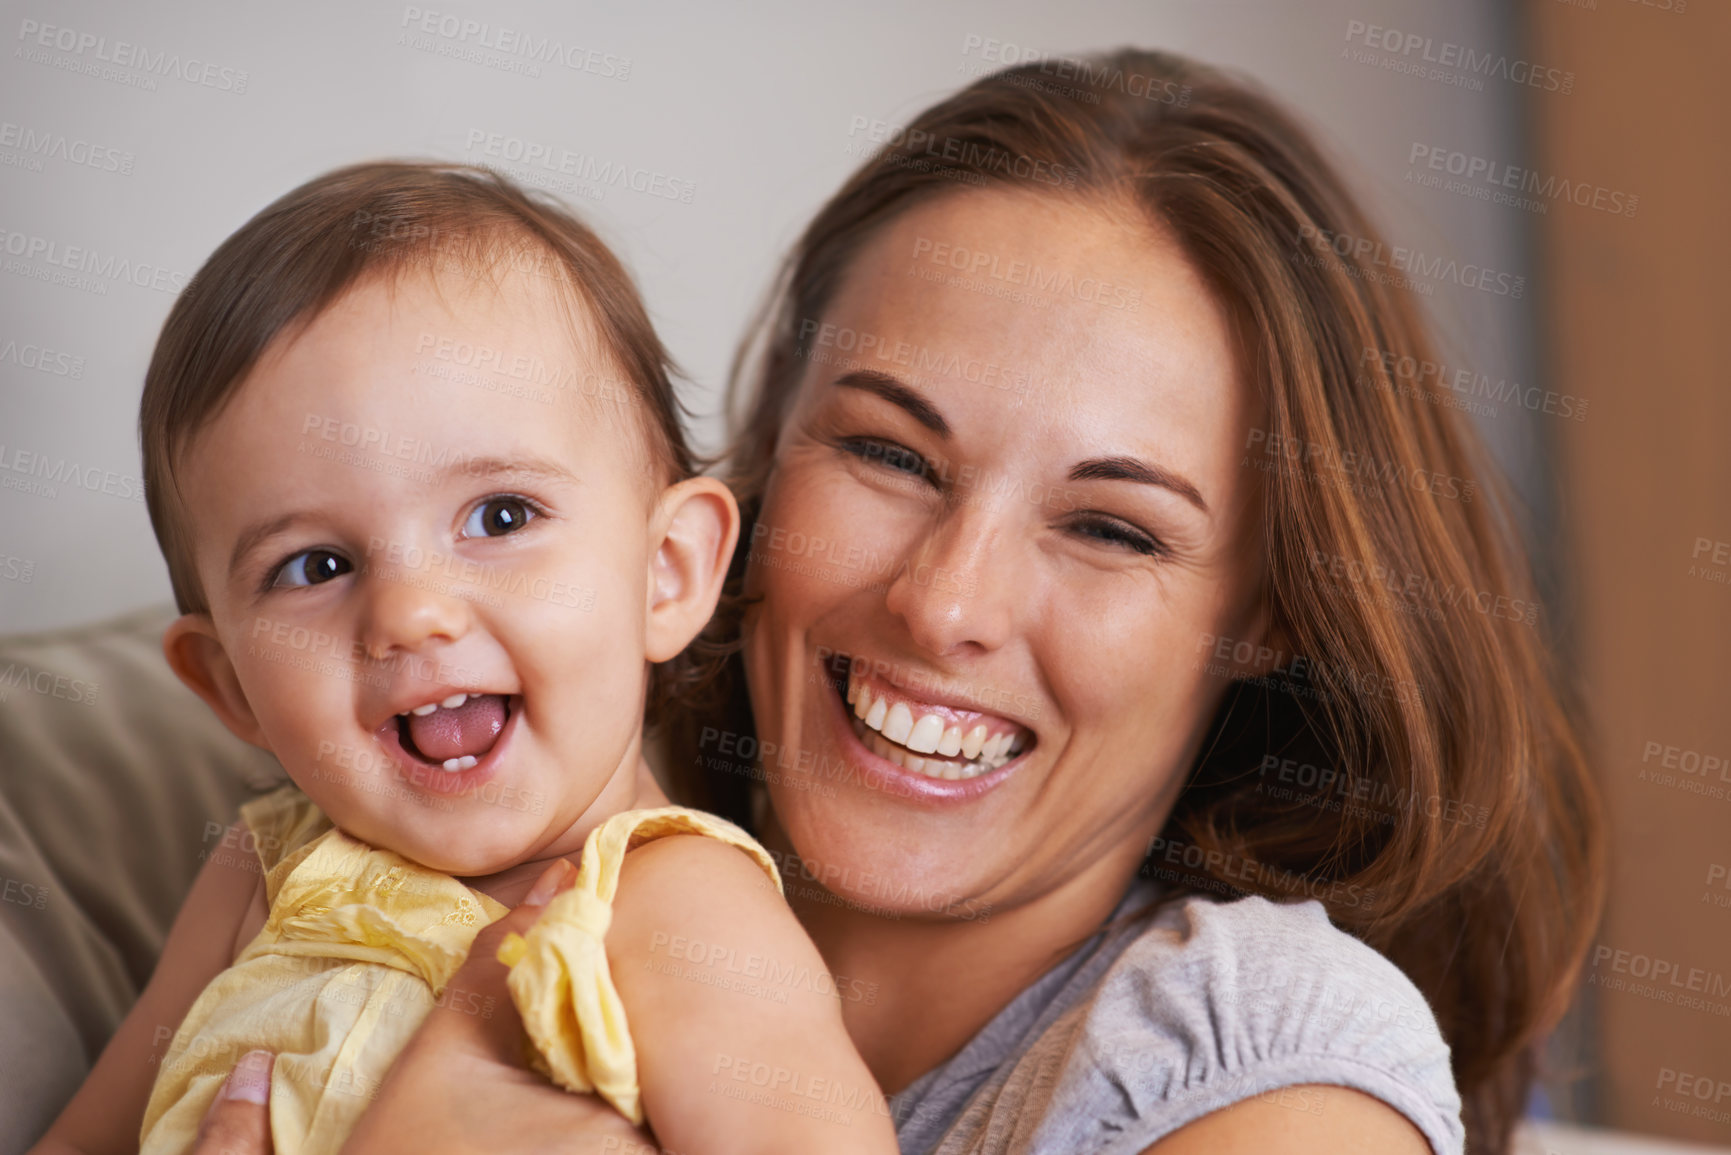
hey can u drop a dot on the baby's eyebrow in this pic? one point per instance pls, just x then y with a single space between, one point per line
529 467
256 534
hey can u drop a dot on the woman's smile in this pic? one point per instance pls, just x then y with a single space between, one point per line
918 743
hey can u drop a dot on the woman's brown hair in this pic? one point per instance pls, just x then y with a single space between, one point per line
1448 818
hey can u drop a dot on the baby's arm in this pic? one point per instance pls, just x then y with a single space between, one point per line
106 1113
766 1068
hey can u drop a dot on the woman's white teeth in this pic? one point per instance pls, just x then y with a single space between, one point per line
899 724
454 701
892 732
925 735
930 767
464 763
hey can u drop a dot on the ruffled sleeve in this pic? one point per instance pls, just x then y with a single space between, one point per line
559 977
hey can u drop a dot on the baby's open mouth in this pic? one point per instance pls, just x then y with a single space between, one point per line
930 739
456 732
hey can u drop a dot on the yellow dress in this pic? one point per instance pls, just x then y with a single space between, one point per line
361 943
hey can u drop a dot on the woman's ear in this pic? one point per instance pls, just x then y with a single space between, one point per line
1257 647
696 526
196 655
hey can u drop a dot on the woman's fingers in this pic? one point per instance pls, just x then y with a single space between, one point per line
474 1012
238 1122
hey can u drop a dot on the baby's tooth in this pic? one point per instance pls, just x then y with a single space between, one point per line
454 701
423 711
862 705
899 724
974 741
951 743
926 734
875 716
452 764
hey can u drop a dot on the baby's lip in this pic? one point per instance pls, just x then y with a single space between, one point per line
456 776
423 700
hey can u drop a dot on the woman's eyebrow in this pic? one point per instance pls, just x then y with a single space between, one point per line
897 393
1137 470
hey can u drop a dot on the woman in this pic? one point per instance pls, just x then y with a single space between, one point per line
1106 566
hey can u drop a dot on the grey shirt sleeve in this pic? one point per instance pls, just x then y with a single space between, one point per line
1214 1003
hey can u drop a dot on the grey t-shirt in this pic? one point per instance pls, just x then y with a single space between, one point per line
1152 1025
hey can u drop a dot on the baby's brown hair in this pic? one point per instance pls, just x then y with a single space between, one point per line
276 273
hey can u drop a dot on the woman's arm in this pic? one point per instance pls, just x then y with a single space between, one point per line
1303 1120
105 1115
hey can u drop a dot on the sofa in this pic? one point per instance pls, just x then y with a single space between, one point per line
114 782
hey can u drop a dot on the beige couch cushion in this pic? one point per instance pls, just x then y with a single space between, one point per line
113 777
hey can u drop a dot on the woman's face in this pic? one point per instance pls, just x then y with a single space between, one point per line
1007 519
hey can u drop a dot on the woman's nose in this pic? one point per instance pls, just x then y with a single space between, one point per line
404 615
950 589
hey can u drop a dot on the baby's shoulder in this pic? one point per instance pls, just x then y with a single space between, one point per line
675 846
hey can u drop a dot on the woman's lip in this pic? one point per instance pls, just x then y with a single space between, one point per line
434 780
900 782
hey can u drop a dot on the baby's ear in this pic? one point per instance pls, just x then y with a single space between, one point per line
696 524
195 653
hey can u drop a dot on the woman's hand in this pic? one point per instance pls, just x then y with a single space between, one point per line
238 1122
460 1084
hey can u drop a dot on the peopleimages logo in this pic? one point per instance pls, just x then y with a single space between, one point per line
78 260
38 474
35 145
1370 257
86 51
1414 52
1486 179
511 44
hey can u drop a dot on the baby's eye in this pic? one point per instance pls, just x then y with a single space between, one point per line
311 568
498 516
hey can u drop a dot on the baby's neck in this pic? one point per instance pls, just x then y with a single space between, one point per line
508 886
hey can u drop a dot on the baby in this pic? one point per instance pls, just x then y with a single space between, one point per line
416 465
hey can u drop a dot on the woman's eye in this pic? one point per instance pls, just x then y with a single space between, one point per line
888 454
314 567
1115 532
498 516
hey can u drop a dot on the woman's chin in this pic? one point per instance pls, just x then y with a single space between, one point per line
867 860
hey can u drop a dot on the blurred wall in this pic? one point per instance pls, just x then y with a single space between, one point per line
1636 320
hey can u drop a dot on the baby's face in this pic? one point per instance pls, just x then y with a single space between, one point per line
423 527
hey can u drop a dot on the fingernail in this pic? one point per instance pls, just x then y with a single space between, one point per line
250 1080
548 884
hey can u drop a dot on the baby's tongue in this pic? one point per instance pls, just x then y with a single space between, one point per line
469 729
